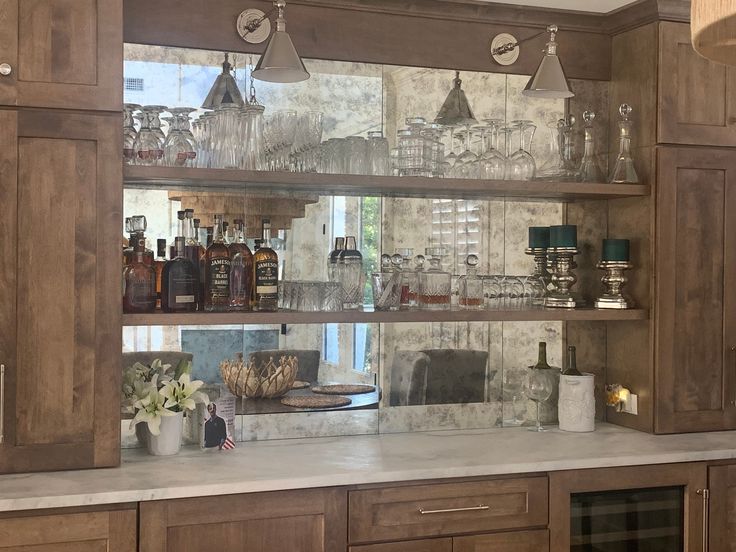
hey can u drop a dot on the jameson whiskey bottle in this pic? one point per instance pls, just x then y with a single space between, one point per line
266 273
571 368
241 269
217 272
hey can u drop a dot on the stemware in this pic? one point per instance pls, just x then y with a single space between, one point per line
451 157
148 146
493 162
154 121
129 132
378 154
522 163
538 387
467 166
312 128
179 146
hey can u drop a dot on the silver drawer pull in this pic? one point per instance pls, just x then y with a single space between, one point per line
2 401
477 508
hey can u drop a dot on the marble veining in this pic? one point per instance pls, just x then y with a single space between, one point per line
334 461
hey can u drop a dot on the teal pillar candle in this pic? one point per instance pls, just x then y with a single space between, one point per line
565 235
615 250
538 237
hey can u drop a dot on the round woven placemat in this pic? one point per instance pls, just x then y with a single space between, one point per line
343 389
315 402
299 384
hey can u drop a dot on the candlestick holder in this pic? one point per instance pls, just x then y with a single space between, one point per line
540 264
563 278
614 280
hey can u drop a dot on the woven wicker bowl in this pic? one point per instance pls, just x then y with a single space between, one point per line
268 381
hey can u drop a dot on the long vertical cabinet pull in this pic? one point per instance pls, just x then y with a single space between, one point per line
2 402
705 493
733 396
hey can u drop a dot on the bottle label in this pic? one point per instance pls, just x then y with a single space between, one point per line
219 280
267 278
184 299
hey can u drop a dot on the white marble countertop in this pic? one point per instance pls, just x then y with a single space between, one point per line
322 462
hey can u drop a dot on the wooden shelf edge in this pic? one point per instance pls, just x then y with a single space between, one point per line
367 317
174 178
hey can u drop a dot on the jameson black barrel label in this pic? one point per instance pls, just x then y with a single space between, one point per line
219 279
267 278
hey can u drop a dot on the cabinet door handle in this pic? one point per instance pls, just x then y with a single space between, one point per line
732 348
2 401
705 493
477 508
5 69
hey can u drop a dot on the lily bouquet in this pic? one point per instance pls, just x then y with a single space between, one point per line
155 391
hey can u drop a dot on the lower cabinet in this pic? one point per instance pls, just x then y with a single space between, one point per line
424 545
73 530
312 520
515 541
722 519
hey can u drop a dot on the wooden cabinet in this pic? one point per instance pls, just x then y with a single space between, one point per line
659 507
695 324
722 519
697 97
74 530
62 53
518 541
424 545
414 511
298 521
60 338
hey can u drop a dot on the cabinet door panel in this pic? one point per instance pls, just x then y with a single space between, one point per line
297 521
722 485
696 96
519 541
424 545
60 310
696 257
63 53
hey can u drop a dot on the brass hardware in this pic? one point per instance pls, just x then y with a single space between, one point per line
705 493
5 69
2 401
449 510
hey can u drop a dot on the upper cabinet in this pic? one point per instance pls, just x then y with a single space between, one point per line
697 97
61 54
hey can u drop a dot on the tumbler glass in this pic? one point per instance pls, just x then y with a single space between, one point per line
356 155
378 154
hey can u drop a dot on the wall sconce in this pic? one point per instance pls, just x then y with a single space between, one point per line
280 62
549 80
620 398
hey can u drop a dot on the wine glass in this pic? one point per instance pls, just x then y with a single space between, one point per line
493 162
148 147
522 163
467 160
538 387
129 133
451 157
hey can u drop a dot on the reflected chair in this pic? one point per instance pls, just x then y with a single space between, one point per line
408 385
456 376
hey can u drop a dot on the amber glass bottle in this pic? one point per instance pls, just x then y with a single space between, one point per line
180 285
139 281
266 273
158 266
217 272
241 269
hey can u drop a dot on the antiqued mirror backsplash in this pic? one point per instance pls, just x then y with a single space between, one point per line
415 376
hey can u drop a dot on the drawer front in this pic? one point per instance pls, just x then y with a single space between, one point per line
517 541
425 545
443 509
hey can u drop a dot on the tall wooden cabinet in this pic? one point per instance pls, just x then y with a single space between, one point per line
60 220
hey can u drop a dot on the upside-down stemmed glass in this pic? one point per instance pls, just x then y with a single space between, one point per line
180 147
129 133
148 147
521 161
467 160
493 162
154 120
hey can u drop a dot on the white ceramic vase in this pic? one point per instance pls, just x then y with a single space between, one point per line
168 441
576 404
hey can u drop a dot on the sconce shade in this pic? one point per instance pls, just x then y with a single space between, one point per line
549 80
224 90
713 29
280 62
456 109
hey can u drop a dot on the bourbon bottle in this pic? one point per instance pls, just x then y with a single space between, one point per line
266 273
241 269
139 281
217 272
158 266
180 284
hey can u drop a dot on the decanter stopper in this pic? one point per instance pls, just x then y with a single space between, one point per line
396 262
471 261
625 110
419 261
385 262
623 171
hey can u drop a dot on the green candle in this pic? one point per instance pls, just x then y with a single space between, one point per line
565 235
615 250
538 237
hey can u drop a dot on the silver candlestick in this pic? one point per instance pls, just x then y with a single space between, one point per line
614 280
540 264
563 279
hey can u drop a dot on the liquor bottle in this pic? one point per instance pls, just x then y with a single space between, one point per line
414 283
180 284
138 226
195 252
332 258
548 410
196 222
435 283
266 273
471 286
571 368
350 269
158 266
217 271
226 232
210 235
139 281
241 269
180 224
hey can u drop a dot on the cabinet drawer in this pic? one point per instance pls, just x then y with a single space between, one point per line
518 541
446 509
424 545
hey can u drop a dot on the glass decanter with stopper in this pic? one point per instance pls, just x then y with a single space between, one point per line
407 274
414 283
623 170
590 170
139 280
471 285
435 284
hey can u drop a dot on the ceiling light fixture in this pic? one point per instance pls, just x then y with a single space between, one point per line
280 62
549 80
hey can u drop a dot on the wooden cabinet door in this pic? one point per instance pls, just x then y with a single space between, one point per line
697 97
722 522
60 339
518 541
62 53
424 545
73 530
695 336
311 520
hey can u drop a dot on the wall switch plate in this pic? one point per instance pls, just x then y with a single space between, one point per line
631 405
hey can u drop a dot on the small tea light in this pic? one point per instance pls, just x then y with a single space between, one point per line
615 250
